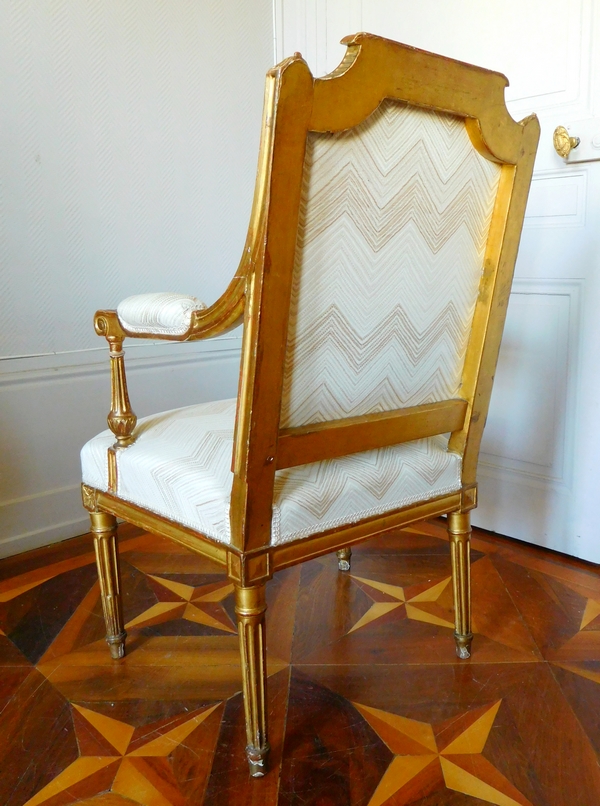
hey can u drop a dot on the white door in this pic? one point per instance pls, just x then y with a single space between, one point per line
540 465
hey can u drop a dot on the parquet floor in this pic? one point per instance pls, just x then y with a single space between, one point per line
368 703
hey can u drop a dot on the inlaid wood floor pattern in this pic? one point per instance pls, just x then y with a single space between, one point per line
369 705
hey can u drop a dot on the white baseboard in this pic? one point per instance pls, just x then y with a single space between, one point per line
47 517
51 405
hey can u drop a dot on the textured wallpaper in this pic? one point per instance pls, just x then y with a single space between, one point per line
128 145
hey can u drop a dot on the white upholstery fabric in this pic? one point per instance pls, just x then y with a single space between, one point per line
322 495
393 227
164 314
180 467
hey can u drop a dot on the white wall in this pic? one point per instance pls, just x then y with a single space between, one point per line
128 145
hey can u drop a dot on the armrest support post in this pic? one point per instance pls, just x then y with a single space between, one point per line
121 419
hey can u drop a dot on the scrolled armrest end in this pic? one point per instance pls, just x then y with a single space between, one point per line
106 323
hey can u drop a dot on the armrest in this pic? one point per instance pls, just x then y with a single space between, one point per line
175 317
162 314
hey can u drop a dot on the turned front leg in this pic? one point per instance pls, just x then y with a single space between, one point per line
104 529
250 607
459 530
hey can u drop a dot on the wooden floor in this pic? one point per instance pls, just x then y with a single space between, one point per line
368 703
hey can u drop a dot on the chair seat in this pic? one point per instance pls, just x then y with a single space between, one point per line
180 467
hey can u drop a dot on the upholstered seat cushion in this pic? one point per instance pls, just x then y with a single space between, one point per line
180 467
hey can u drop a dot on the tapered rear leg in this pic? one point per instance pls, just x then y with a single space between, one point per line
104 529
344 556
250 607
459 530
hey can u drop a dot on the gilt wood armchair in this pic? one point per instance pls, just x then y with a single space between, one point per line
373 289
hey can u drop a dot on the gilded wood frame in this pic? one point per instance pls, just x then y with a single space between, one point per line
373 69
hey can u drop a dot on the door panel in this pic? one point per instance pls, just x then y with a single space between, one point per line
526 428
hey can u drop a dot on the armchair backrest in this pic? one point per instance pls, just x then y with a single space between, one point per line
394 220
388 209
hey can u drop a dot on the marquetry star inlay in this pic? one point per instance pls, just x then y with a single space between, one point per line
428 758
201 605
589 597
120 758
421 602
591 613
575 652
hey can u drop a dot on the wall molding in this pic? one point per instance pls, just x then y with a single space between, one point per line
555 474
138 352
557 199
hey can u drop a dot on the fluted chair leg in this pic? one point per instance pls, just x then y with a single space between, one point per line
459 530
250 607
344 556
104 529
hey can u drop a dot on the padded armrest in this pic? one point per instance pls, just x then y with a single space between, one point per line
162 314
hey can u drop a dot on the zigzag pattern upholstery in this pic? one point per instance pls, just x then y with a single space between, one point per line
393 227
180 467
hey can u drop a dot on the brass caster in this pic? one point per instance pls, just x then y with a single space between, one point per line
116 644
463 645
257 761
343 556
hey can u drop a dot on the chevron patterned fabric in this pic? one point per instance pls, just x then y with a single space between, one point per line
180 467
393 227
